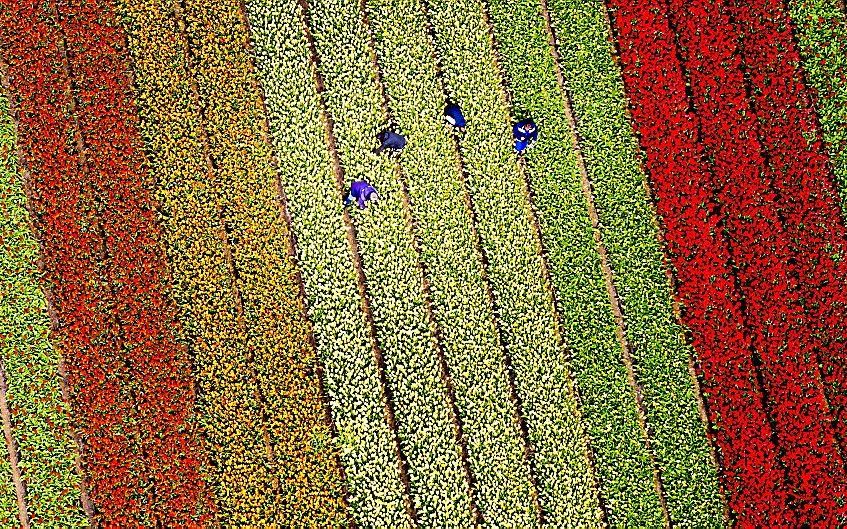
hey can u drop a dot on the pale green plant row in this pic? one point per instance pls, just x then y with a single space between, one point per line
392 271
568 495
609 403
196 248
375 491
821 32
41 424
660 352
503 489
304 476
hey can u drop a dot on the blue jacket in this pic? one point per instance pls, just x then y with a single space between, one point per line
360 191
455 112
523 135
390 140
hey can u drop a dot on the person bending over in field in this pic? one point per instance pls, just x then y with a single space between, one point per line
526 134
390 141
362 192
453 115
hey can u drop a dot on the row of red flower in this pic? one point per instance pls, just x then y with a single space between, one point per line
755 281
104 268
804 180
668 132
770 252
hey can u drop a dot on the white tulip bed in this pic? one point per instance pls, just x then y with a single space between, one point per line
391 265
313 197
461 303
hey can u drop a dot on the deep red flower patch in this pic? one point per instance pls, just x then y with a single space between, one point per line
805 183
668 132
72 252
767 263
130 379
137 268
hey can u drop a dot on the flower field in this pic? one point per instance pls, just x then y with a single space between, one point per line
640 322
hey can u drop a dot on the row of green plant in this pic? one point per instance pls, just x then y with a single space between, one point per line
41 424
313 195
567 491
660 352
609 405
821 32
393 275
462 305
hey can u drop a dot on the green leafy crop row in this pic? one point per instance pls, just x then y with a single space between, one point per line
821 32
504 220
608 400
375 490
392 270
659 350
40 418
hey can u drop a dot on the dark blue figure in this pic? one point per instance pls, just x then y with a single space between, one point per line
526 134
453 115
390 141
362 192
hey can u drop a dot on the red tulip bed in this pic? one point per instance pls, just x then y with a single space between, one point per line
642 322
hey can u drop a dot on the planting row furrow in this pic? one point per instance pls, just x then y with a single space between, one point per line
609 404
40 417
197 249
820 29
805 187
306 172
14 503
706 284
767 267
134 262
503 489
305 480
660 351
62 206
516 268
392 269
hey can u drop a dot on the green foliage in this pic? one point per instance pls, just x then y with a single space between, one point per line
821 32
496 181
40 418
627 219
608 400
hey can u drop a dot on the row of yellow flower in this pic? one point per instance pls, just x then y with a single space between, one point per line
228 243
567 492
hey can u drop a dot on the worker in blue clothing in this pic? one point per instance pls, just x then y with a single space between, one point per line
526 134
390 141
361 192
453 115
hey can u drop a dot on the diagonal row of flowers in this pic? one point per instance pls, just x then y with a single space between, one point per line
103 265
740 182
